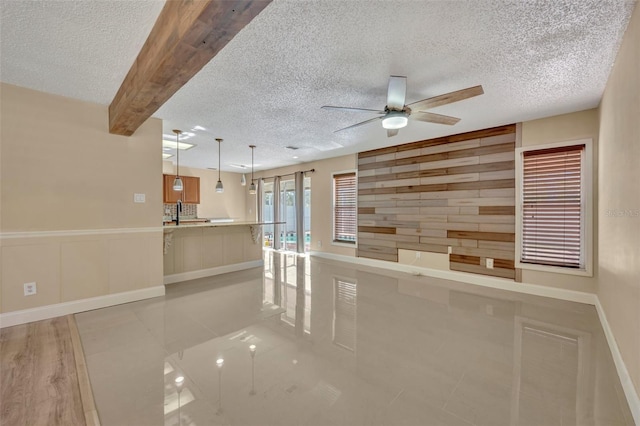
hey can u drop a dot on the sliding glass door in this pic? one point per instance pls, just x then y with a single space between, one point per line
288 209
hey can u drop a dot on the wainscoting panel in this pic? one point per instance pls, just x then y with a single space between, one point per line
454 195
72 268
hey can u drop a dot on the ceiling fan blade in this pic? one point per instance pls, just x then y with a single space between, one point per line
349 109
430 117
397 92
359 124
392 132
447 98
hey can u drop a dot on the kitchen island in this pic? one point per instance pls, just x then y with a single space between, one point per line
202 249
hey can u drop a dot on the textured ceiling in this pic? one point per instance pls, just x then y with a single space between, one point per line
81 49
266 87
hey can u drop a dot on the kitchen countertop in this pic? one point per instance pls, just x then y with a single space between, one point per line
172 227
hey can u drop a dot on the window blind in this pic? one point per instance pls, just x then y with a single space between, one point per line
345 216
553 207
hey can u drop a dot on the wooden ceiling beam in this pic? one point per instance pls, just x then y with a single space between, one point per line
185 37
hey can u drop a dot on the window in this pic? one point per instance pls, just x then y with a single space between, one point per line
554 207
344 208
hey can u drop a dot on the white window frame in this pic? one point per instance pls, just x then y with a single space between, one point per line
587 193
333 209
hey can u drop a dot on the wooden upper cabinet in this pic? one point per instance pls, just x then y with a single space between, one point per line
190 193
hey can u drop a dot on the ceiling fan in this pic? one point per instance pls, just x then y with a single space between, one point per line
396 114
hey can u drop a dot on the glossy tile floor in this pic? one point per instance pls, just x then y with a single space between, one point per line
340 345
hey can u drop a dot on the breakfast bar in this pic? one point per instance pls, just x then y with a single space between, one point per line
197 250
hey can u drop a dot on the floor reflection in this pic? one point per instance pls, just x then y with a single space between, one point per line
283 272
315 342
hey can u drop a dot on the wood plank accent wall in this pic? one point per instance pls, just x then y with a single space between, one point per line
456 191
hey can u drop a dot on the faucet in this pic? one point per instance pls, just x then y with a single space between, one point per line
178 211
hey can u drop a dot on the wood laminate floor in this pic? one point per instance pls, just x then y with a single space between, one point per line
38 376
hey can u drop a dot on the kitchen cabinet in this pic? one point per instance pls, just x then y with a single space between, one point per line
190 193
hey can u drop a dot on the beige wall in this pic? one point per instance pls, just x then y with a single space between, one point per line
619 206
229 204
321 199
567 127
62 171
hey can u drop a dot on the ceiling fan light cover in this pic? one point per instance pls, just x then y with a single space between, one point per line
395 120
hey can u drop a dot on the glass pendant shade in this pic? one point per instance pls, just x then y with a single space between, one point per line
243 180
177 184
219 187
252 188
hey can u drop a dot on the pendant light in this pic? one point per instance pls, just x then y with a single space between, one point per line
243 180
252 187
177 182
219 187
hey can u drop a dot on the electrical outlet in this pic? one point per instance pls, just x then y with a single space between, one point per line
449 250
139 198
30 289
489 263
418 254
319 244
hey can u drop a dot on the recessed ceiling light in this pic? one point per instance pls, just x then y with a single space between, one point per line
172 145
165 156
198 128
295 156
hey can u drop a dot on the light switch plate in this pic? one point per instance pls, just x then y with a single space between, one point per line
139 198
489 263
30 289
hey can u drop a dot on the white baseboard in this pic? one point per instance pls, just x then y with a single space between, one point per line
464 277
573 296
202 273
625 379
59 309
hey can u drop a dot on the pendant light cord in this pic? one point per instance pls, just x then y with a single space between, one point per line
219 141
252 187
